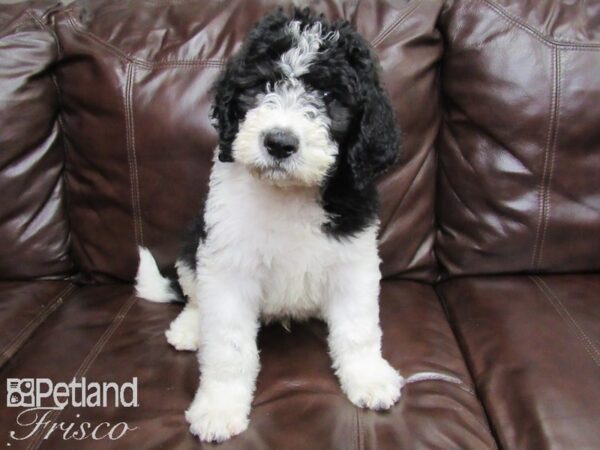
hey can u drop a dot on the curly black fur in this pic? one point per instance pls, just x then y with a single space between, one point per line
195 234
245 75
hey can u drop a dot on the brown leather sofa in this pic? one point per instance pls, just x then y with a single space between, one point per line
490 234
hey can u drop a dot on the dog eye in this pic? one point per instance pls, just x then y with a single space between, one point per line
311 115
327 96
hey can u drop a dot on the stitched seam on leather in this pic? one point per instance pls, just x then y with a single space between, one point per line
88 361
536 33
132 158
178 64
543 188
126 102
548 197
358 425
47 29
386 32
36 320
21 337
564 313
138 61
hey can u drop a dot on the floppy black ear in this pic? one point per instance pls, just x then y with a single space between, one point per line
350 197
376 143
223 113
371 144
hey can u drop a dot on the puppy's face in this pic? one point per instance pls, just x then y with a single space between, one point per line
285 131
285 136
299 101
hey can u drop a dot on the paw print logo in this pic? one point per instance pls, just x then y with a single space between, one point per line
20 392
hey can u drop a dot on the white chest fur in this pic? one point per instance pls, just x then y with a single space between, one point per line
275 234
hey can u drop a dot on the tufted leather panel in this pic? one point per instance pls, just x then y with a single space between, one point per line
519 180
135 83
34 233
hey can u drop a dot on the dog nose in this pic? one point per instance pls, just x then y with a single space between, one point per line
280 143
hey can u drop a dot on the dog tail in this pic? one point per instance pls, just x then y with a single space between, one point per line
151 285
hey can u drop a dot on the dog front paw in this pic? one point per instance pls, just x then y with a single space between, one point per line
371 384
214 417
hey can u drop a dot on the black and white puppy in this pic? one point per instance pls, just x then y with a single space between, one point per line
289 227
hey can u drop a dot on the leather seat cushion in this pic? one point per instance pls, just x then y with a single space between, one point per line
533 346
24 306
107 334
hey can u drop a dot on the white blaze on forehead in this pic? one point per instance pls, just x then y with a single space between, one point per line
291 94
307 41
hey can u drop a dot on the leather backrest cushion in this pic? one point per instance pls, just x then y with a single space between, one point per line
519 178
34 233
135 81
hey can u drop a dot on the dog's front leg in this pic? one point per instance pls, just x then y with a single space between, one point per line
352 315
228 355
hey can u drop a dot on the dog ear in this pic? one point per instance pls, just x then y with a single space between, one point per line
223 116
375 144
